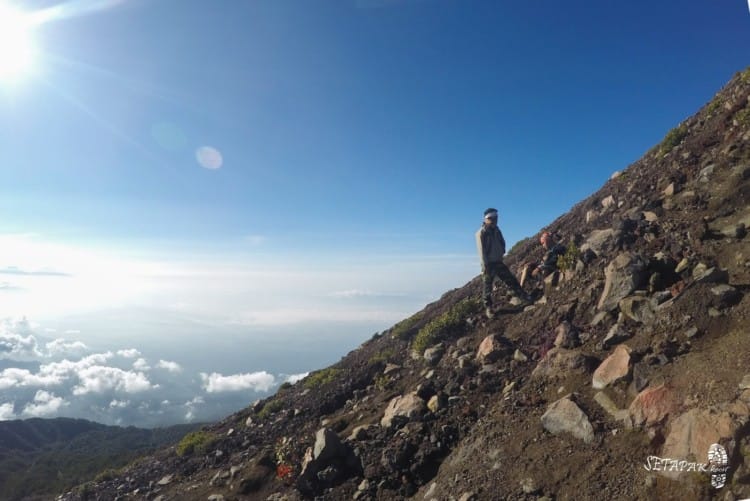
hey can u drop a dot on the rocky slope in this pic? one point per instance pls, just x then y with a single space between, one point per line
640 351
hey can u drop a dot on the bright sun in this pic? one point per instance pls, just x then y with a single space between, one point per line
16 45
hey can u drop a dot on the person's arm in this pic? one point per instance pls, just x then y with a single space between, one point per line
481 238
502 243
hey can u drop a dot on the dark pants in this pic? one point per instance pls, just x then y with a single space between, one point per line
503 273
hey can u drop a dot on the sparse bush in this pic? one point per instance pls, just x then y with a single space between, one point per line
673 138
321 377
745 76
568 260
270 407
381 356
713 106
106 475
402 329
382 382
450 323
196 442
285 386
743 116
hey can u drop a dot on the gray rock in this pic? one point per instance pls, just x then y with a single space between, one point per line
405 407
566 336
327 445
596 240
166 480
638 308
616 335
725 295
600 318
215 497
692 332
433 355
615 367
610 407
519 356
745 383
626 273
564 416
391 368
705 173
608 202
703 274
528 486
468 496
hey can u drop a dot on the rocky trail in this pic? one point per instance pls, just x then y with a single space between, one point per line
636 351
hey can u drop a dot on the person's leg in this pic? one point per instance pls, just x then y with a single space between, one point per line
488 277
507 277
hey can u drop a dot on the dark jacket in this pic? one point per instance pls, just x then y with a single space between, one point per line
549 261
490 245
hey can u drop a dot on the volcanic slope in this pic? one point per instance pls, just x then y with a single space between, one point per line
641 350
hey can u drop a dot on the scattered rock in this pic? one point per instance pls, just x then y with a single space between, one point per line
558 362
608 202
565 416
615 367
166 480
649 216
725 295
404 407
703 274
492 348
468 496
361 432
745 383
652 406
691 332
638 308
596 240
433 355
616 335
566 336
682 265
609 406
528 486
626 273
215 497
391 368
519 356
600 318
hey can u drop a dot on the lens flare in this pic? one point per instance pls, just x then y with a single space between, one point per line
16 44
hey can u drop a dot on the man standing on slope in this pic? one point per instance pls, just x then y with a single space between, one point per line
491 247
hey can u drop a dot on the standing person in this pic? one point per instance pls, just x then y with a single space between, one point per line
491 247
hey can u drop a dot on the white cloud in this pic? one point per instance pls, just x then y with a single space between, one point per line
256 381
195 401
61 347
296 377
170 366
129 353
189 415
45 404
101 379
17 342
119 404
294 316
12 377
141 365
6 412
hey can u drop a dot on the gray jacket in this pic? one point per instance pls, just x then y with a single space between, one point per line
490 245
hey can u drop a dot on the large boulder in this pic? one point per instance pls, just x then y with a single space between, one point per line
492 348
615 367
692 434
652 406
626 273
596 240
328 462
402 408
564 416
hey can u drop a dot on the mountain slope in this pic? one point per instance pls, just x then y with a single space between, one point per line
641 350
39 457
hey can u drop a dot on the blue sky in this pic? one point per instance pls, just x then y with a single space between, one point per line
359 143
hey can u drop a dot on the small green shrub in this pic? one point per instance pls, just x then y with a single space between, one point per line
106 475
568 260
745 76
270 408
321 377
382 382
713 106
196 442
381 356
402 329
285 386
672 139
450 323
743 116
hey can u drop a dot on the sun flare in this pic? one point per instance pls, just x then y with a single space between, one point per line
16 44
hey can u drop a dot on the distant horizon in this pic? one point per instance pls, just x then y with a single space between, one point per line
201 203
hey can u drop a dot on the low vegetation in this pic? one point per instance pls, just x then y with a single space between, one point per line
452 323
382 356
673 138
270 407
196 442
568 260
404 328
321 377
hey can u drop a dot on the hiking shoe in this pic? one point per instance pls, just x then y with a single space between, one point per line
488 311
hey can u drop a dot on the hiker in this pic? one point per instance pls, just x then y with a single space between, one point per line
491 247
548 264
